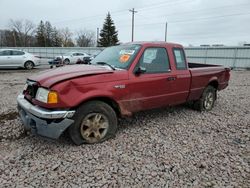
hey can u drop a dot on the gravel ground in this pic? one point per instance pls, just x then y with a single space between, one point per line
169 147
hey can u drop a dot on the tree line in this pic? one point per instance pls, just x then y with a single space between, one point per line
24 33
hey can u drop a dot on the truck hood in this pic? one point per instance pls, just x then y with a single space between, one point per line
51 77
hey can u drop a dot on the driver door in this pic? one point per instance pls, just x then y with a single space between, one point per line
153 88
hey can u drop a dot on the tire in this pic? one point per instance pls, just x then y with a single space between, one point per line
67 61
207 100
95 122
29 65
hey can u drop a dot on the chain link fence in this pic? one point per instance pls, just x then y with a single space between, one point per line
235 57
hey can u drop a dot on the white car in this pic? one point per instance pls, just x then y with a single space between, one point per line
10 58
73 57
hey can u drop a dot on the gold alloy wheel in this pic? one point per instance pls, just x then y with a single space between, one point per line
94 127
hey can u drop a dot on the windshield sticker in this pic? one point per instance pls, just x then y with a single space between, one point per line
129 52
124 58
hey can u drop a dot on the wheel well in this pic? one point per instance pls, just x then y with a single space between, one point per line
214 83
108 101
29 61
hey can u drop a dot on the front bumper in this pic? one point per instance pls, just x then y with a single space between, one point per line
41 121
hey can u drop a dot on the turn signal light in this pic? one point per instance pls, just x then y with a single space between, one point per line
52 97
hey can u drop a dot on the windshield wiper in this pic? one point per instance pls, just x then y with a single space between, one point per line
104 63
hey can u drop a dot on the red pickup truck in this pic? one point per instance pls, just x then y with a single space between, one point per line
86 100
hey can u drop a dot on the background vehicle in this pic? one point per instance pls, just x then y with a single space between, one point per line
121 80
72 57
58 62
85 60
16 58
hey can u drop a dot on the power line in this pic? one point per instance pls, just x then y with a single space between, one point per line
161 4
193 20
89 17
119 11
199 10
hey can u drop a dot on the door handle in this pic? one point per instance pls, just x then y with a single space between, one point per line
171 78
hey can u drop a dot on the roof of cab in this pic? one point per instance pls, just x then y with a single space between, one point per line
162 43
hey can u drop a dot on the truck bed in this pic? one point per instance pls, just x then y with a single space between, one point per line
204 74
199 65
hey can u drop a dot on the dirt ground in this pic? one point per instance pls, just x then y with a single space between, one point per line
169 147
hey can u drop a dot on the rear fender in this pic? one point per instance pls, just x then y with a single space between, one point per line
214 82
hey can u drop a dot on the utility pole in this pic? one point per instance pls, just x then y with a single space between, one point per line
166 31
97 36
133 18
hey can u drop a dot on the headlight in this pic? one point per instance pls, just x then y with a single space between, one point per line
46 96
25 87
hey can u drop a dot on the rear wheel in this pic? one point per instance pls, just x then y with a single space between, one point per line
95 122
207 100
29 65
66 61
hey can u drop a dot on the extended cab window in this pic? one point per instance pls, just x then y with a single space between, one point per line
179 59
155 60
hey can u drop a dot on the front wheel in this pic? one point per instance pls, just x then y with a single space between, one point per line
207 100
95 122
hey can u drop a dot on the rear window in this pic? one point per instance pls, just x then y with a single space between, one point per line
180 61
17 53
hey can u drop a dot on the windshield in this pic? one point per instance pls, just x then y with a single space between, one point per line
118 56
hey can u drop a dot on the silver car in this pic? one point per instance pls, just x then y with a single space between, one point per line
10 58
73 57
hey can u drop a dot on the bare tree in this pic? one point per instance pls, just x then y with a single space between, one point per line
24 29
85 38
7 38
66 36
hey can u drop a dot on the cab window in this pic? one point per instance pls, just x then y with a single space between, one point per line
180 61
155 60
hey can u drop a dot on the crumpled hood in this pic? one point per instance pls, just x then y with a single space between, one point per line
51 77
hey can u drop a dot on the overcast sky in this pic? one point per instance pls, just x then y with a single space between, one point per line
189 21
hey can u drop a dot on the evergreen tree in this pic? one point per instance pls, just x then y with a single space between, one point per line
48 34
108 34
56 38
41 35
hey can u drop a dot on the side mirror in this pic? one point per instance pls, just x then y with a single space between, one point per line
140 70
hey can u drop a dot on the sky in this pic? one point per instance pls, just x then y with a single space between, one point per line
190 22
